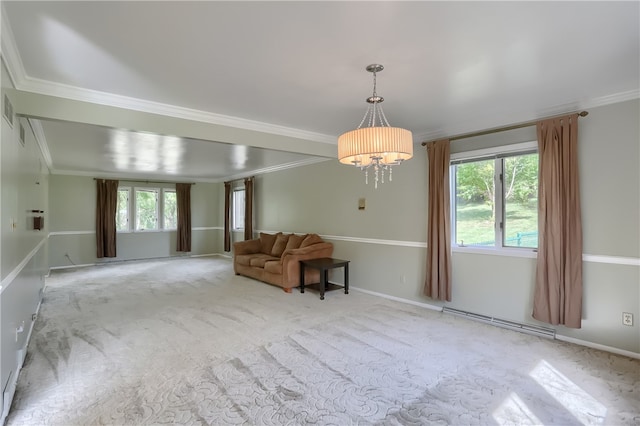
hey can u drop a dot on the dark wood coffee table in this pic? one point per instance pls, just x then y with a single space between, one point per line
324 264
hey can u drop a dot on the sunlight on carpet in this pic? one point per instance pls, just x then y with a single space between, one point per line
585 408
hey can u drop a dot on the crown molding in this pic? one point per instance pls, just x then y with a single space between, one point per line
547 112
10 54
41 140
109 175
612 99
589 103
277 168
22 81
43 87
132 176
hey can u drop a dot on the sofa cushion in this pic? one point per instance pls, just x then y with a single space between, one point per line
273 266
279 245
311 239
267 241
244 259
259 260
294 241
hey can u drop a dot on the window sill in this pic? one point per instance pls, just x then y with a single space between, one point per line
147 231
497 251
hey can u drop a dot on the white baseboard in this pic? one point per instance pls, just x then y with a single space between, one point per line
398 299
55 268
557 336
598 346
84 265
226 256
209 255
33 322
7 398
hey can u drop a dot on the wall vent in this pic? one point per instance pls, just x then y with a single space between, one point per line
511 325
7 110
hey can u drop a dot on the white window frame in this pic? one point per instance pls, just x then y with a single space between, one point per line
163 226
234 219
135 208
129 212
496 153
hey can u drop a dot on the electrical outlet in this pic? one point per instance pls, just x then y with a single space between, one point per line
627 318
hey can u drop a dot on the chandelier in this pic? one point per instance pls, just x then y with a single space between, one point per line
378 145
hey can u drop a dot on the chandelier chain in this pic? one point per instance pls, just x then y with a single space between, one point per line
366 114
383 118
374 84
374 96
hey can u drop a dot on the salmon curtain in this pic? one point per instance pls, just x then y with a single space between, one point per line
227 213
558 289
183 198
248 208
106 210
438 281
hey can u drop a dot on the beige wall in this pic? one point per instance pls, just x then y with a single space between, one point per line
324 198
73 200
381 240
610 180
23 188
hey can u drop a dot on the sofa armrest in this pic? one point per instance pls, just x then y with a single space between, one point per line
247 247
291 261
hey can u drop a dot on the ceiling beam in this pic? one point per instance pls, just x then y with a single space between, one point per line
46 107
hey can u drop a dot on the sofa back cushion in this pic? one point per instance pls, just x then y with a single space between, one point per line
294 241
259 260
310 240
267 241
280 244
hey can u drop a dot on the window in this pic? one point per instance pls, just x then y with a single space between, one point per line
169 209
122 216
238 209
146 209
146 200
495 199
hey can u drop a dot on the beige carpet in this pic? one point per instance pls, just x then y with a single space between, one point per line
187 342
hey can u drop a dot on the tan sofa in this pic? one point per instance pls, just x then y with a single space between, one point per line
275 258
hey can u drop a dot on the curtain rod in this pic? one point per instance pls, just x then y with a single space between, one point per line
239 179
504 129
146 181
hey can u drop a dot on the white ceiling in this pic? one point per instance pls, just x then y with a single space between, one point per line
298 67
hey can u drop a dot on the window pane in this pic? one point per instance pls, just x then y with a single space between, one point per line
475 207
238 209
122 218
521 201
146 209
170 210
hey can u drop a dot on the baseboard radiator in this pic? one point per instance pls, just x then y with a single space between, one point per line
511 325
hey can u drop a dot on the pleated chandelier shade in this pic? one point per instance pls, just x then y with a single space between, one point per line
378 146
